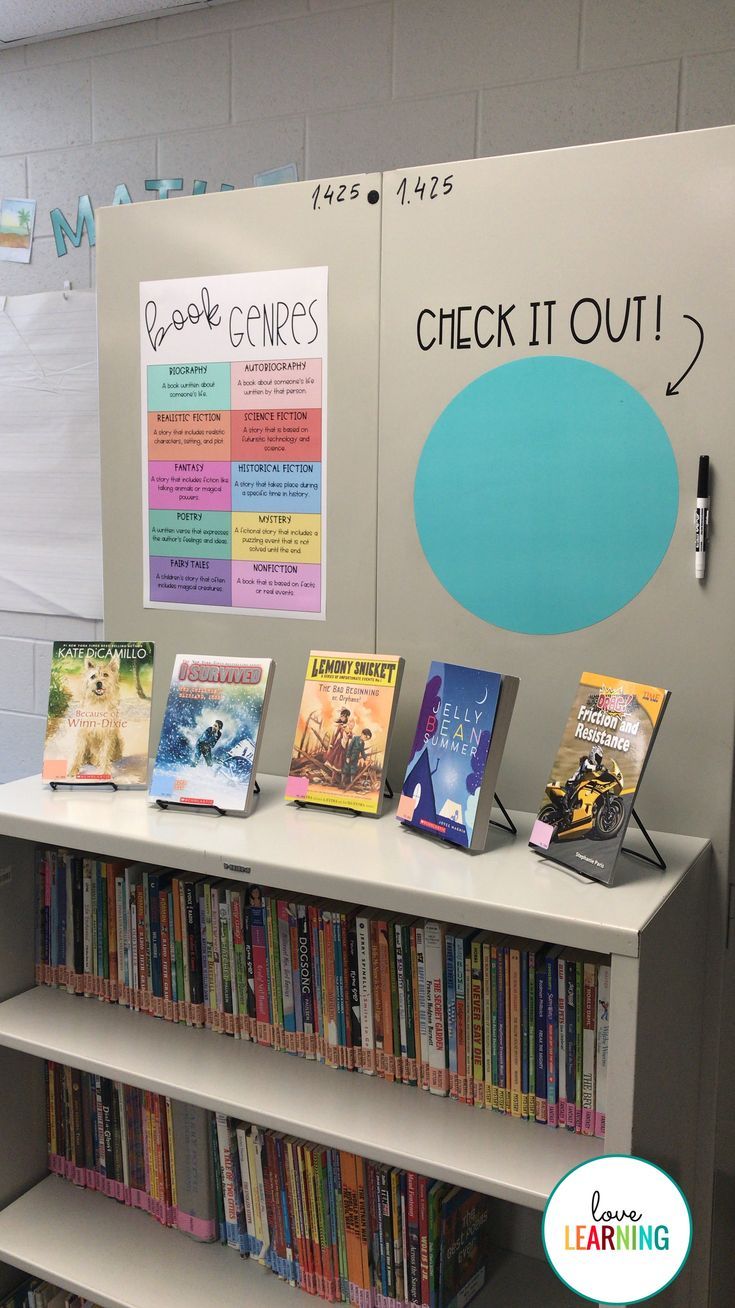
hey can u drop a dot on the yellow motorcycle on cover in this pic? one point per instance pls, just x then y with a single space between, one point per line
593 808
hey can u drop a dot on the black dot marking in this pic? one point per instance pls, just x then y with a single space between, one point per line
373 197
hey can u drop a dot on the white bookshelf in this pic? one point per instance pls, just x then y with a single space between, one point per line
650 923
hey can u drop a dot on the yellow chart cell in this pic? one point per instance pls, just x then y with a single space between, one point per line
270 537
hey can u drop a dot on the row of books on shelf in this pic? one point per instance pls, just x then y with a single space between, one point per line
34 1293
325 1220
98 727
517 1026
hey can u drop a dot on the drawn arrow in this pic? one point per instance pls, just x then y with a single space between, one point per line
672 388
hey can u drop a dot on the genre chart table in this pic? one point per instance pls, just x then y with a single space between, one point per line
235 484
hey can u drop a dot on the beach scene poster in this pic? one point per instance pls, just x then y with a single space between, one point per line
17 218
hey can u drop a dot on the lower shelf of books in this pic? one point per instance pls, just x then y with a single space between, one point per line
120 1258
486 1151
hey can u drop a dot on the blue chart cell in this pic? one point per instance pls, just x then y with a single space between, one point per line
546 495
277 487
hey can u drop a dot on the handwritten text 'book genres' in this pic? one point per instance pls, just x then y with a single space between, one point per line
340 752
596 774
460 736
212 729
99 710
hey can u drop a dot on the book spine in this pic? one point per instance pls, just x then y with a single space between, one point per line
588 1049
552 1039
286 976
354 1001
579 1004
603 1040
541 1043
423 1023
487 1023
449 948
377 994
260 973
461 1017
247 927
515 1031
570 983
434 949
225 935
394 1002
401 989
194 950
242 1025
503 1028
526 1110
389 1069
365 986
476 1007
561 1002
298 1008
143 994
312 917
166 974
153 907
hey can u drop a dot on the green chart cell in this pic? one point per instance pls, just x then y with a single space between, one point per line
190 534
188 387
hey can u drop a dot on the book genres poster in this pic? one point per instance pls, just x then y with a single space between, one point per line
234 431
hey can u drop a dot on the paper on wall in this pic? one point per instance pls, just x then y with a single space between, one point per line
50 520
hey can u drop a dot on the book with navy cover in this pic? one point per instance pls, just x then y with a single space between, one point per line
457 748
212 730
594 779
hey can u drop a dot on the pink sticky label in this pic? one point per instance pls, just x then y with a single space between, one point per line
297 787
542 834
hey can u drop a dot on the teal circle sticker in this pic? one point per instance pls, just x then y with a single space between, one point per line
546 495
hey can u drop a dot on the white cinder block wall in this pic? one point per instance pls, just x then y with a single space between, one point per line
335 86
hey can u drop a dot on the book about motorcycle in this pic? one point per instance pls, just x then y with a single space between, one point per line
593 784
212 730
99 710
457 748
343 733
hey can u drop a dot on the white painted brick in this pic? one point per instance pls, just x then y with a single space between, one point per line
323 61
56 178
636 31
164 87
17 675
708 91
232 154
451 45
44 626
392 135
12 59
46 271
338 4
82 45
13 177
223 18
21 745
604 106
42 651
45 109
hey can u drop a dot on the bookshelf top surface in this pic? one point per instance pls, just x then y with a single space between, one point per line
376 862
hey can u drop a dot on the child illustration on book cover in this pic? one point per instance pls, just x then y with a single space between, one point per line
340 749
208 736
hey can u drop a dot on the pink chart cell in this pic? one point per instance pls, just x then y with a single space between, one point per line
296 587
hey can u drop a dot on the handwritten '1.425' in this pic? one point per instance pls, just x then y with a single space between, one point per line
425 188
334 194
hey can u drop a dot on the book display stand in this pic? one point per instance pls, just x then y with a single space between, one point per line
83 785
165 804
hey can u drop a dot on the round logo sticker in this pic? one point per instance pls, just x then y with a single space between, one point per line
617 1230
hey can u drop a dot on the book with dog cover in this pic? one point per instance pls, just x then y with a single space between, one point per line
99 710
457 748
598 768
340 751
212 731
